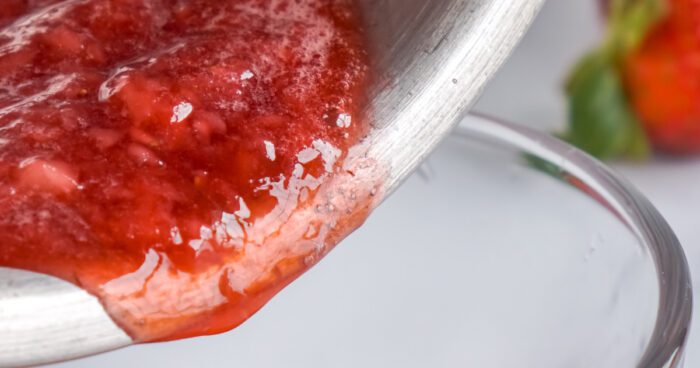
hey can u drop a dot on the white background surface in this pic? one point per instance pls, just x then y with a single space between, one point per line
528 91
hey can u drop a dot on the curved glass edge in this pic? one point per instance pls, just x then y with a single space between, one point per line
668 341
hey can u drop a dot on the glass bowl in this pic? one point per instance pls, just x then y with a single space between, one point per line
507 249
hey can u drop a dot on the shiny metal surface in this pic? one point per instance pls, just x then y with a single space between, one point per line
44 319
434 58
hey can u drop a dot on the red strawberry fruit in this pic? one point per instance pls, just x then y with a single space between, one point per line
663 80
641 88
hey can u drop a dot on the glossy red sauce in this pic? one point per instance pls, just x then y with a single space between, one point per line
180 159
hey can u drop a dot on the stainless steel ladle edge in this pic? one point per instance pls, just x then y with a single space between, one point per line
46 320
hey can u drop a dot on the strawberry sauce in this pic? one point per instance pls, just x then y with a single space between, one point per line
183 160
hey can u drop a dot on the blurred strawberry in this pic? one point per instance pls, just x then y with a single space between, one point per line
663 80
615 107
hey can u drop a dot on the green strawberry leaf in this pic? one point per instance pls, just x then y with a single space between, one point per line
630 21
601 120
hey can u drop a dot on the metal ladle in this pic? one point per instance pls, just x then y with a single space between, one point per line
436 55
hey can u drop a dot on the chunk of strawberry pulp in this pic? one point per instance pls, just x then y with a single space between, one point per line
178 158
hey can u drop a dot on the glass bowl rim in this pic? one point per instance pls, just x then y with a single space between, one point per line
667 343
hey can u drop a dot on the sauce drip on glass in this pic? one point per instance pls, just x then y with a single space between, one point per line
180 159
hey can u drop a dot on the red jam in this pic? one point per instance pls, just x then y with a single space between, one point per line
180 159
